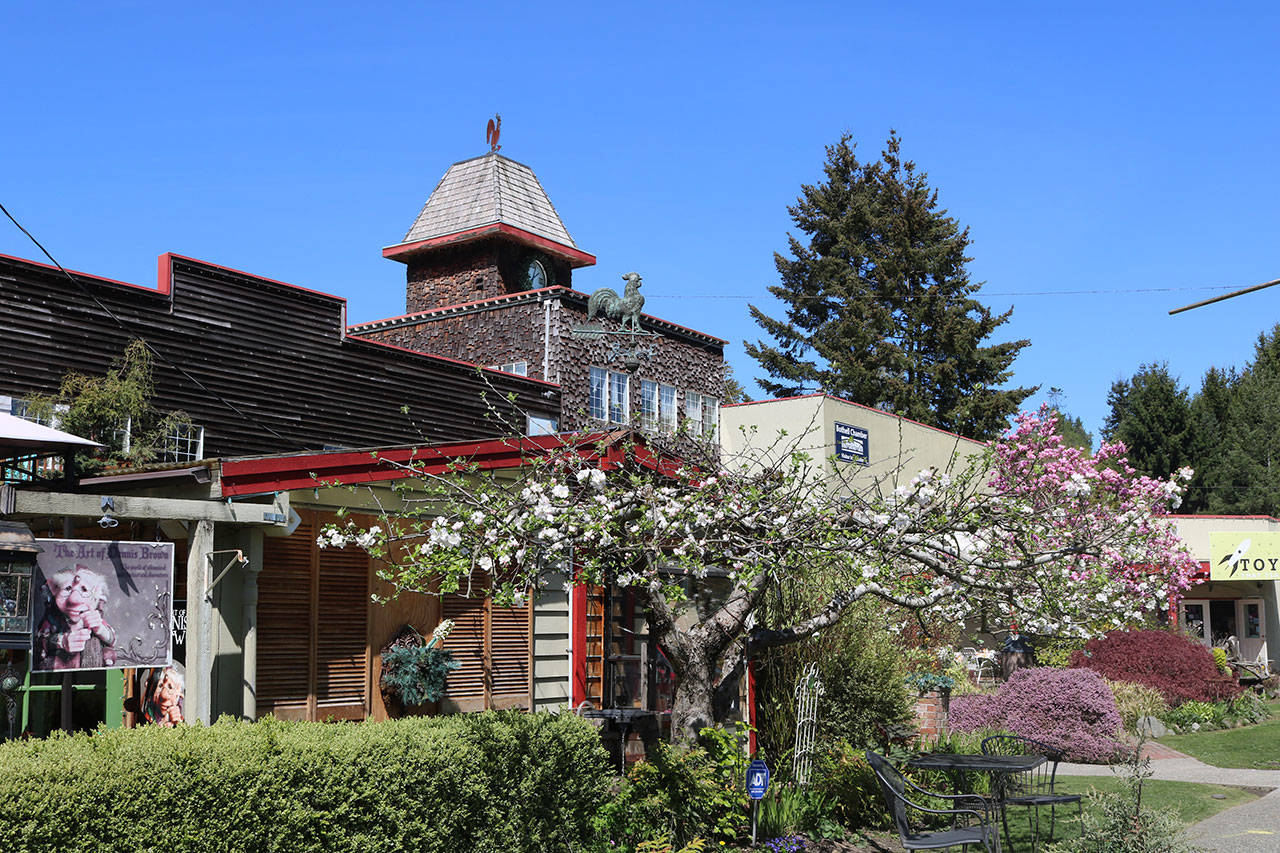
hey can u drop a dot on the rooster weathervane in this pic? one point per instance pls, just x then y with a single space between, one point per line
626 309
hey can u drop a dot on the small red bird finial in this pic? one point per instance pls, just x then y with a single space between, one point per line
492 131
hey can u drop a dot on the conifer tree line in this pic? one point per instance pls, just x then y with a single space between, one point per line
1227 430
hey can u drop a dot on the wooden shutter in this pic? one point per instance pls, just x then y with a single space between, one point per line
313 660
492 644
284 622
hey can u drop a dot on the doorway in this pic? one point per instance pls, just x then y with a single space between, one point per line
1213 620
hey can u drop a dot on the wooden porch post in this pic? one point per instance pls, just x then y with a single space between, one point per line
199 624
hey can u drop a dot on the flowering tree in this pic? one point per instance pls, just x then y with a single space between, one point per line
1040 532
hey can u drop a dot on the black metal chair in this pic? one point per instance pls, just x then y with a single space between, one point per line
894 786
1031 788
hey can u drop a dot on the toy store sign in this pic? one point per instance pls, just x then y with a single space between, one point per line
1244 556
102 605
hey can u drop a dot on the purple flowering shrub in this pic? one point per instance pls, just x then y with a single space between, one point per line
1072 710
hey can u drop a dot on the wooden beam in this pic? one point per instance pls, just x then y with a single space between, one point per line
135 508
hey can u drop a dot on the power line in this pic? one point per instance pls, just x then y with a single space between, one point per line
125 326
1096 292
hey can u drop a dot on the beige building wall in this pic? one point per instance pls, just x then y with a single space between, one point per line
897 448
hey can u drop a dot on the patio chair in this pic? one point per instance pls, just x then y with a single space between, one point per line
978 666
894 786
1032 788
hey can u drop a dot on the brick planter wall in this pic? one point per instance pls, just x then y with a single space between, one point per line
931 712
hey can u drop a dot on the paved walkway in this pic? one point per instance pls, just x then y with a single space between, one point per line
1251 828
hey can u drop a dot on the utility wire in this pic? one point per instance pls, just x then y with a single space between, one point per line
125 326
800 297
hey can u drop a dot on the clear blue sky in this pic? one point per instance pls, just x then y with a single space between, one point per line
1088 149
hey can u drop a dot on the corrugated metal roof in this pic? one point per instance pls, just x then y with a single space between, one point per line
484 191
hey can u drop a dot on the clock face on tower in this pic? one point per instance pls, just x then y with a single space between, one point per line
536 274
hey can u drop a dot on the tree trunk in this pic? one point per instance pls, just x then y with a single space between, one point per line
693 707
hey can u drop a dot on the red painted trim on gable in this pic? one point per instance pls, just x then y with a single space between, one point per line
175 257
373 342
96 279
860 406
575 257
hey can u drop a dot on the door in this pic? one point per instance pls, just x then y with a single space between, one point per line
1253 629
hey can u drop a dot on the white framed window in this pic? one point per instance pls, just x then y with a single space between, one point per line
184 443
657 406
702 415
609 396
519 368
21 408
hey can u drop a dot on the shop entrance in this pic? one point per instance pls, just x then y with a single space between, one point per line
1213 620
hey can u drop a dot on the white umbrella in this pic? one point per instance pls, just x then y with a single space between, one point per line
18 435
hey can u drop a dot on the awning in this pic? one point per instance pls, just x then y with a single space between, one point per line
22 436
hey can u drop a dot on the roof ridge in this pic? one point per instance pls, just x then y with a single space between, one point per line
497 186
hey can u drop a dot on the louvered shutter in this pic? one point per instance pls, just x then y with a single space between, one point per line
342 662
465 685
284 622
509 656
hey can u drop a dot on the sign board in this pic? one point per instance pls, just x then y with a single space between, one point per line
757 779
1244 556
102 605
852 444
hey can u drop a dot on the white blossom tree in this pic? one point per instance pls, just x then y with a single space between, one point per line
1045 534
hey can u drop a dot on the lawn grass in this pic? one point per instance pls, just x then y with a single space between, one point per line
1192 802
1252 747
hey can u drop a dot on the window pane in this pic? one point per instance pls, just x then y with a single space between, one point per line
541 426
667 408
599 394
648 404
1193 619
184 444
618 398
1252 621
711 417
693 412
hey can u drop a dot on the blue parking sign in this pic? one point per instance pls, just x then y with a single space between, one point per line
757 779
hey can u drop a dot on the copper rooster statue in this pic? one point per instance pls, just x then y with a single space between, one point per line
625 308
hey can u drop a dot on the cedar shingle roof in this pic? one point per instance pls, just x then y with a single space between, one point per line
487 190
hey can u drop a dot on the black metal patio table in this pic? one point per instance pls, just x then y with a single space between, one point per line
957 766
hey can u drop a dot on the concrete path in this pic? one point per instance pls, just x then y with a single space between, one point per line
1251 828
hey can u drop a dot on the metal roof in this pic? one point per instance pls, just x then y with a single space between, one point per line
484 191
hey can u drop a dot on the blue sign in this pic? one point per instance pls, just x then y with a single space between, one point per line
757 779
852 444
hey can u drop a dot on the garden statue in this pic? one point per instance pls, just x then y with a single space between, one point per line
625 308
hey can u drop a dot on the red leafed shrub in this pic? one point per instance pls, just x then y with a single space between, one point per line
1179 667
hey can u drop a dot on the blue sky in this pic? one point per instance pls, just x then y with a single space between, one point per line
1117 149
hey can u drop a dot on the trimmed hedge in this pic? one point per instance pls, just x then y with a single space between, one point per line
483 782
1179 667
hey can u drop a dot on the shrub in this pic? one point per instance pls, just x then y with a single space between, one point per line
845 779
1056 651
1195 715
1135 701
1179 667
1248 708
1220 660
1071 710
862 675
677 794
483 782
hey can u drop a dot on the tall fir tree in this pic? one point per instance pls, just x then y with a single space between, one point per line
1248 479
879 298
1210 416
1151 413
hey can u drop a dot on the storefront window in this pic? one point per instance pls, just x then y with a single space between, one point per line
1193 619
1252 620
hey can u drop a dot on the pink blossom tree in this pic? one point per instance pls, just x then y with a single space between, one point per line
1043 533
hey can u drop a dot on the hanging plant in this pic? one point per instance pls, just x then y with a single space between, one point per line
415 671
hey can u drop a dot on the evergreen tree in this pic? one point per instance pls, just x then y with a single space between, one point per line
1151 414
1247 480
1069 427
1210 413
881 298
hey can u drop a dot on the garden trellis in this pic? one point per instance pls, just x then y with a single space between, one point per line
808 690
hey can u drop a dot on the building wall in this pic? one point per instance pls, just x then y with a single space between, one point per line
521 331
473 271
897 448
278 371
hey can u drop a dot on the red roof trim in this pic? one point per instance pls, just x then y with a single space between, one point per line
265 474
450 360
497 301
860 406
575 257
97 279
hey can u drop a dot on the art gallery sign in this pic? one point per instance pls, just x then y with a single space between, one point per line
1244 556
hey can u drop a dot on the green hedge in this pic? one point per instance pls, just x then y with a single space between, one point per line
482 782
